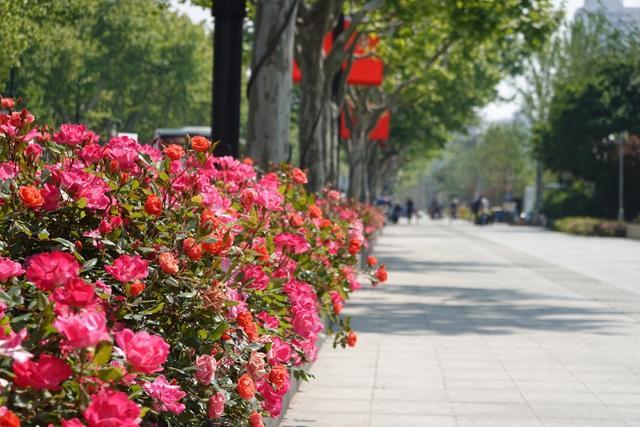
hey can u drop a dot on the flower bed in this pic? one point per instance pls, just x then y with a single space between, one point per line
586 226
148 287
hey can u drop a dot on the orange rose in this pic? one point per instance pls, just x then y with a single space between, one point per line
295 220
278 376
31 197
315 212
217 243
352 338
298 176
246 387
208 218
245 320
381 274
192 248
200 144
174 152
255 420
153 205
168 263
371 261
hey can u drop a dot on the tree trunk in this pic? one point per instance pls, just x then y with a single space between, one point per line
357 157
375 173
315 88
310 135
270 93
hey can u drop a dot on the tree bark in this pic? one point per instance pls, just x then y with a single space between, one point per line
374 174
357 158
270 91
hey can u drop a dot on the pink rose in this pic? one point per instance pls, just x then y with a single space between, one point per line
216 406
91 153
254 274
272 399
291 242
72 134
50 269
268 321
82 330
47 373
128 268
112 408
257 365
166 395
33 151
124 151
154 154
8 170
270 199
306 323
76 292
51 194
280 351
145 353
9 269
11 345
207 366
309 348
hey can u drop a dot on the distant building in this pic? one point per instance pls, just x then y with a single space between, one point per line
614 10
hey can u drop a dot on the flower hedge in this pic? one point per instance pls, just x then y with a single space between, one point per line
149 287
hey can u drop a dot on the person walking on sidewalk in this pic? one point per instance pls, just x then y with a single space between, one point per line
410 210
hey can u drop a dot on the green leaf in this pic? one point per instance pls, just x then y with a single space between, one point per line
103 353
158 308
218 331
64 242
43 234
89 264
12 297
110 374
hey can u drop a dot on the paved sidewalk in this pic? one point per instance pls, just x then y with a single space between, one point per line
470 331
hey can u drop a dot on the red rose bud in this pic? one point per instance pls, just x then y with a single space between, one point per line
381 274
136 288
352 339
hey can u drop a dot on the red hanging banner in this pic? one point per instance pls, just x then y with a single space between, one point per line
379 133
366 71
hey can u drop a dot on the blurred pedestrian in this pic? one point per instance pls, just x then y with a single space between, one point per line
410 210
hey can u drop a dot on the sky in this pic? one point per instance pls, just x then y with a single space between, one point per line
499 110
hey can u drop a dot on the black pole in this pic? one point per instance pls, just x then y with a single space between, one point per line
335 90
227 75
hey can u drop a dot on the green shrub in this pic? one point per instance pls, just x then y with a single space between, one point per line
586 226
572 201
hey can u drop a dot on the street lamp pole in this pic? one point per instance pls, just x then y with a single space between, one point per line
621 139
227 75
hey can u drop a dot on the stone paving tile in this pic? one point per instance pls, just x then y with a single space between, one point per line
583 423
499 422
476 330
411 420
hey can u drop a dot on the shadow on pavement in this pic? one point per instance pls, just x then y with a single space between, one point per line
451 310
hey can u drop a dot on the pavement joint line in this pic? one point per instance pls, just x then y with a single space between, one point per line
625 302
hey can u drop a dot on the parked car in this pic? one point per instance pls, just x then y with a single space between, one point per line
165 136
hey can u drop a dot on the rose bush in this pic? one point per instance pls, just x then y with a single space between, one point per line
161 287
